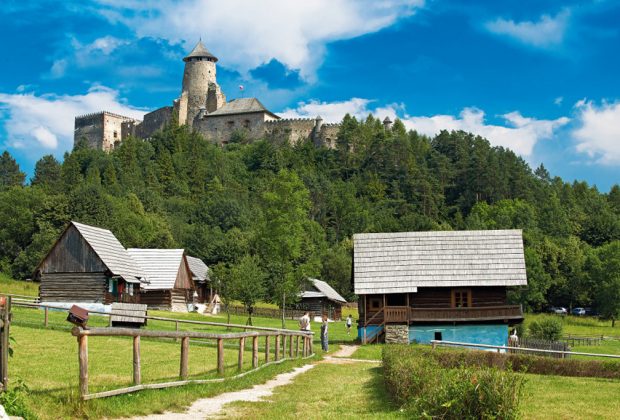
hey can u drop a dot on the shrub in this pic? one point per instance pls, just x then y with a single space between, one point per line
425 388
13 401
547 328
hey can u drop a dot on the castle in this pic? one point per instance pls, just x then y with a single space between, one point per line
203 107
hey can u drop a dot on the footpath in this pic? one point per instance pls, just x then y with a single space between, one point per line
212 407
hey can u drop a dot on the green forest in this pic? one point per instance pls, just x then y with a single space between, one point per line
273 214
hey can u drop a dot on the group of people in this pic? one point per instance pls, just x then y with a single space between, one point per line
304 325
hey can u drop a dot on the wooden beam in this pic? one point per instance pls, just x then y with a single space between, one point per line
290 346
277 357
83 362
296 346
137 374
241 350
254 352
220 356
266 349
184 357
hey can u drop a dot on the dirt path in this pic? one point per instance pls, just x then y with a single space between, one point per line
210 407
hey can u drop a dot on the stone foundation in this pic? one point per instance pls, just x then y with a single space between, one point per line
397 334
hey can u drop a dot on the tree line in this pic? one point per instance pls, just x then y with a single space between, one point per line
274 213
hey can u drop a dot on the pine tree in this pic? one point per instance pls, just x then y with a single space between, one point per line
10 174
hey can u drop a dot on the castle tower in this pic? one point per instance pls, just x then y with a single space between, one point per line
199 83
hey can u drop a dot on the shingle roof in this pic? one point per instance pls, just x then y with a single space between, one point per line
111 252
322 290
241 106
200 271
200 51
161 266
402 262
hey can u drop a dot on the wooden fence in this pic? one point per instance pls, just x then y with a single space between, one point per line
294 338
535 343
582 340
267 312
499 349
5 322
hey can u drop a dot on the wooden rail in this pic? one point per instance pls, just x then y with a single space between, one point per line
480 313
436 343
176 321
280 337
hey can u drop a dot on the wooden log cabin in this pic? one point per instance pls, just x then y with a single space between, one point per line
423 286
320 298
169 284
88 264
200 276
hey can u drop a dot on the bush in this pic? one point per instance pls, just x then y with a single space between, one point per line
547 328
424 388
13 401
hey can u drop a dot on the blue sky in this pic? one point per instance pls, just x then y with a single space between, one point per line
540 77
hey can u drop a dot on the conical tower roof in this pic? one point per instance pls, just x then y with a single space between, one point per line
200 51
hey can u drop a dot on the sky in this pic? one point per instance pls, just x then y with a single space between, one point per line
539 77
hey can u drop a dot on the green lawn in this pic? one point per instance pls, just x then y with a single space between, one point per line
15 287
327 391
586 325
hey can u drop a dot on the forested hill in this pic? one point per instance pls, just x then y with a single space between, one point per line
295 208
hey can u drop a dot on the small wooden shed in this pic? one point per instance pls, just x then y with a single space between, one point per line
320 298
170 284
88 264
200 277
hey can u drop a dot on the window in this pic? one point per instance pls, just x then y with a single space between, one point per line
130 289
113 286
438 335
246 123
461 298
230 124
115 134
375 303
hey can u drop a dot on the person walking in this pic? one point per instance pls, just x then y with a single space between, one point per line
304 322
324 326
349 323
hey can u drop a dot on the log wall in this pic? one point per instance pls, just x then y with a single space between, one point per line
156 299
73 287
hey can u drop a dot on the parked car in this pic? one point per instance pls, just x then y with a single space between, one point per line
558 310
578 311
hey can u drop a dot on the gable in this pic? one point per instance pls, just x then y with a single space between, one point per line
72 254
184 276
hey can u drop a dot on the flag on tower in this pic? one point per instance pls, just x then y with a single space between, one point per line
241 87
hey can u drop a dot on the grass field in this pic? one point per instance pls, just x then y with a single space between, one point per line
26 288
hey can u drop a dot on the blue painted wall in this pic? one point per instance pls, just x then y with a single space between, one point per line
495 335
371 331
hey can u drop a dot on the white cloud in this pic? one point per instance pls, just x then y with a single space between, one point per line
519 133
245 34
546 32
45 122
598 131
558 101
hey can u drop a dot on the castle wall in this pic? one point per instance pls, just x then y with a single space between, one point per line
327 136
112 130
89 127
219 128
154 121
290 130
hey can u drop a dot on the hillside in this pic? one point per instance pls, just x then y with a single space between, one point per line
296 207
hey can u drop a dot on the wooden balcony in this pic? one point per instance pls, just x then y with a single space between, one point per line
400 314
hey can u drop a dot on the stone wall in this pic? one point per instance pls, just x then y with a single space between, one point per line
289 130
328 135
219 128
90 128
397 334
154 121
197 76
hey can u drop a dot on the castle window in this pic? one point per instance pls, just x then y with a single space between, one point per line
246 123
230 124
115 134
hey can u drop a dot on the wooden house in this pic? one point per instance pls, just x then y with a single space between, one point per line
169 284
320 298
88 264
422 286
200 277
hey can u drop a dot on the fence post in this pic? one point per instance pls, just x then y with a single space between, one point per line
284 347
304 350
310 345
220 356
110 320
184 357
137 374
176 327
266 348
46 317
83 361
290 346
255 352
4 343
434 344
241 350
296 346
277 347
